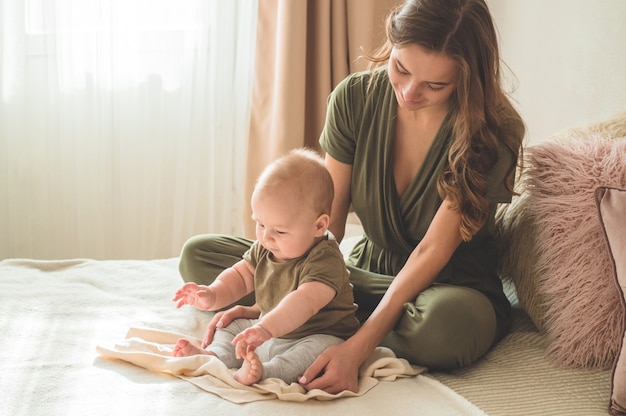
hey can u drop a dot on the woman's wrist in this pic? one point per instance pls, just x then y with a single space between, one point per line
361 346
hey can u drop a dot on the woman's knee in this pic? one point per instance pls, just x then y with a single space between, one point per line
203 257
190 263
446 327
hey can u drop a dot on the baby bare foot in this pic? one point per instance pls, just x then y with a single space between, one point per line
184 348
251 371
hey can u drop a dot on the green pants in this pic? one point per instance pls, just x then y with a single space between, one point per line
445 327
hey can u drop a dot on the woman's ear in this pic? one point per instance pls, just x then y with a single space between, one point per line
321 224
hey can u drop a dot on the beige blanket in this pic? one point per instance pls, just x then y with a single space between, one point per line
152 349
54 315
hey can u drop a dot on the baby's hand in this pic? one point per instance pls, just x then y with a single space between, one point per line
200 297
249 339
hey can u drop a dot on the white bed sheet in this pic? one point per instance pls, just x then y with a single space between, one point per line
53 315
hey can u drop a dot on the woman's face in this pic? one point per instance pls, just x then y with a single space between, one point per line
421 78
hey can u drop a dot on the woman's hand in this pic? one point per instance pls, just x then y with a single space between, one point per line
223 318
335 370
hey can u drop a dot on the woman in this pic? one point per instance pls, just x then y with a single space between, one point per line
423 147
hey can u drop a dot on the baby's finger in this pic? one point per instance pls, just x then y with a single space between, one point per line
240 349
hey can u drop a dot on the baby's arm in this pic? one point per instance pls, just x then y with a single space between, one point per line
231 285
294 310
297 307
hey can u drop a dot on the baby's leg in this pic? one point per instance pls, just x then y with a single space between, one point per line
288 359
251 370
184 348
222 345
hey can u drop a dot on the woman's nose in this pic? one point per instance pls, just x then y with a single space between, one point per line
412 91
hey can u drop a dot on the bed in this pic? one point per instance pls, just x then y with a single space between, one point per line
83 336
56 314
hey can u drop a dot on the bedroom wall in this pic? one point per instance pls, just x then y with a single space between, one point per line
569 59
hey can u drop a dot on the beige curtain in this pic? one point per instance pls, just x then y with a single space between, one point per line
304 48
113 118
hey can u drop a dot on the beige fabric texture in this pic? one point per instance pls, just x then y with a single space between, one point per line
612 209
151 349
516 378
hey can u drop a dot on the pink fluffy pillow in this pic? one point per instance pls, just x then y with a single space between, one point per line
555 253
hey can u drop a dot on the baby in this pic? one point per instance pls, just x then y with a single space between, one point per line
296 271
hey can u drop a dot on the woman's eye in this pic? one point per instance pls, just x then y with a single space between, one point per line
434 87
400 70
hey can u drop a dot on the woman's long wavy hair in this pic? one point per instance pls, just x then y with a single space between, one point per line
482 114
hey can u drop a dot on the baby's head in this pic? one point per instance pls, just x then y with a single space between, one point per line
291 204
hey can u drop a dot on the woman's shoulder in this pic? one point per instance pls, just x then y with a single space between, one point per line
360 83
352 95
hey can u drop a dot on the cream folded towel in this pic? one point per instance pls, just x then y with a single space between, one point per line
152 350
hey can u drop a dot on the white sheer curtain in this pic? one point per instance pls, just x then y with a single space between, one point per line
123 124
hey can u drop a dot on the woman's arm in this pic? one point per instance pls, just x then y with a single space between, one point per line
340 363
341 174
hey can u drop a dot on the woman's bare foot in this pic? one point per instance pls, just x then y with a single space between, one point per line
251 370
184 348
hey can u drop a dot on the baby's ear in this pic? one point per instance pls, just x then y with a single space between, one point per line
321 224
